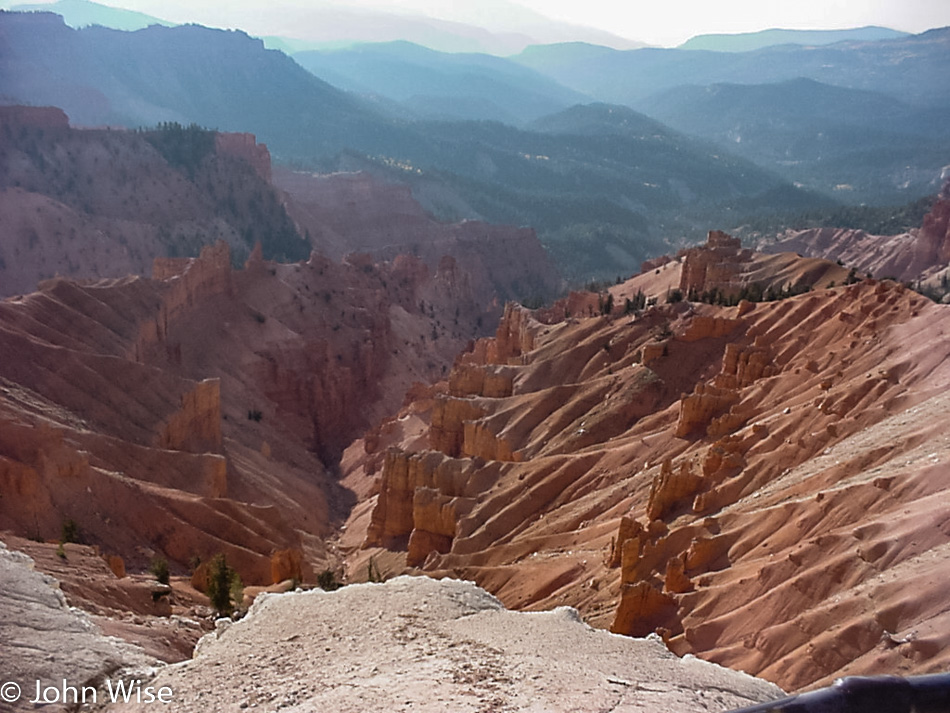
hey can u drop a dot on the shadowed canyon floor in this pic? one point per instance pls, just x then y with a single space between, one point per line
763 485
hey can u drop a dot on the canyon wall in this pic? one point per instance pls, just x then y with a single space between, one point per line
916 255
356 212
93 203
246 148
756 484
201 411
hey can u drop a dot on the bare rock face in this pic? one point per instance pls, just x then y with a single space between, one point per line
46 117
911 256
422 497
934 236
200 411
643 609
669 489
245 146
715 265
786 504
698 409
95 203
197 426
723 266
439 645
356 212
46 640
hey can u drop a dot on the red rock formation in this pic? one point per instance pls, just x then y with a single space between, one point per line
246 148
197 426
576 304
93 203
356 212
421 498
643 610
447 433
723 266
417 499
697 410
716 265
676 580
911 256
480 380
811 477
706 327
195 412
630 530
514 337
655 263
933 240
42 117
392 516
287 564
670 489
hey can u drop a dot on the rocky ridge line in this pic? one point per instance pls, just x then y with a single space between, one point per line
418 644
665 472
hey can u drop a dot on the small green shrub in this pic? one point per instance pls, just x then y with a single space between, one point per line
327 580
69 532
159 568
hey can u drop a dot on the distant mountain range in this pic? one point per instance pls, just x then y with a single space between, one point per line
498 27
189 74
83 13
850 143
861 119
748 41
622 189
550 138
908 68
868 120
432 84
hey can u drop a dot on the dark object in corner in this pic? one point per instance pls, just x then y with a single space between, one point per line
867 694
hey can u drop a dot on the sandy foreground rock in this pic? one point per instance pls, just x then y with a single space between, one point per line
420 644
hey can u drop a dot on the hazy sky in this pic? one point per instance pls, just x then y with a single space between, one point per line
660 22
671 22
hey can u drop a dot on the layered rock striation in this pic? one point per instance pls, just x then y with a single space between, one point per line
916 255
723 269
46 640
757 484
203 410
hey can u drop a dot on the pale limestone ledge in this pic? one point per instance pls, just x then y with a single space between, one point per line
418 644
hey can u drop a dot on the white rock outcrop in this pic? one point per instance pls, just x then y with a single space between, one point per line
43 639
417 644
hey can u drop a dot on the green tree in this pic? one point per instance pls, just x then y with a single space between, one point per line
221 578
159 568
69 532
